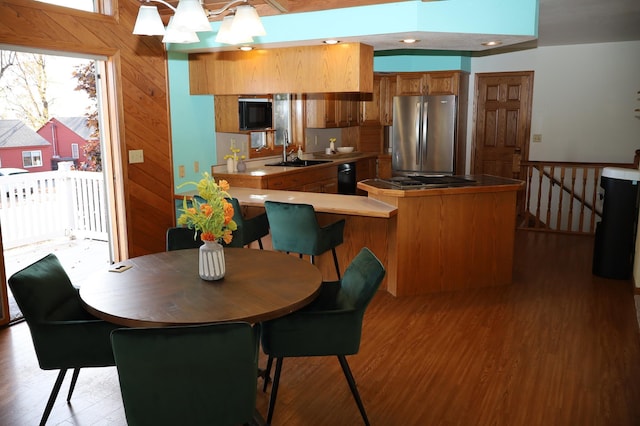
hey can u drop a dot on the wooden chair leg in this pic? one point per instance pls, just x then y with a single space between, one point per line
352 386
274 390
74 379
52 396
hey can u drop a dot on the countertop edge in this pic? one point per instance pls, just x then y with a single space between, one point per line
350 205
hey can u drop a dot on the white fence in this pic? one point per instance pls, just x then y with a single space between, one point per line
37 207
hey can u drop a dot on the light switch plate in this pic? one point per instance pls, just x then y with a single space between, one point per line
537 137
136 156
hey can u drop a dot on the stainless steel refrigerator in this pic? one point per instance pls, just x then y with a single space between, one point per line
424 134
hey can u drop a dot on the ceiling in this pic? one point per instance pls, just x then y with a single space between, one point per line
561 22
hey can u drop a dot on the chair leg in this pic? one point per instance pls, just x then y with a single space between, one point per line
267 373
52 396
274 390
335 262
260 244
74 379
352 386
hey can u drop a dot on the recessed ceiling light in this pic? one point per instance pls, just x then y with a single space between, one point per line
246 48
331 41
409 40
491 43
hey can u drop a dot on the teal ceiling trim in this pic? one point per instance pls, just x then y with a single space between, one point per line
515 17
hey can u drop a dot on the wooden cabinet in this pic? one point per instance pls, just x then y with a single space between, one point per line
370 105
427 83
411 84
443 83
388 86
226 114
330 110
321 111
315 180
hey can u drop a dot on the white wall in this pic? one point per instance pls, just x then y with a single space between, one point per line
584 98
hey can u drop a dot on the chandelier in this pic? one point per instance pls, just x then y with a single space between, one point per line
240 25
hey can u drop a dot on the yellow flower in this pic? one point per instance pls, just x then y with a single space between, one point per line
209 212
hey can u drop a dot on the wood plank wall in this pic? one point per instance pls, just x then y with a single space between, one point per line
141 93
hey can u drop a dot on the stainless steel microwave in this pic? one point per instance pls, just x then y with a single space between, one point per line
255 113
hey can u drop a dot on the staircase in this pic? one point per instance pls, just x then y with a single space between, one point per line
562 196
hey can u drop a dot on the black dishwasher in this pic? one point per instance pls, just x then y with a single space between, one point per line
347 178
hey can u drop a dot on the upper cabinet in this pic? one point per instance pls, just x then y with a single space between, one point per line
329 110
388 85
411 84
344 68
369 107
226 111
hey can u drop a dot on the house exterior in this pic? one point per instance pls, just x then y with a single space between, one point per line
67 136
23 148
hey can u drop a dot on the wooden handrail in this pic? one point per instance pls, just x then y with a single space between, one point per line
543 208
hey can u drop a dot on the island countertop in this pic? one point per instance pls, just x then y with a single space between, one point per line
476 184
351 205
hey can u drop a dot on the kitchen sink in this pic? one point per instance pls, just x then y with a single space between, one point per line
299 163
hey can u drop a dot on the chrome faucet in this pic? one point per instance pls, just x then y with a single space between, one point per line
285 142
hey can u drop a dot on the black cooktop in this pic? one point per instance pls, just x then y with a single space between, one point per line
424 181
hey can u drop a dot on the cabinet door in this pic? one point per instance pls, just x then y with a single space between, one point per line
443 83
370 108
226 112
321 111
298 111
412 84
388 86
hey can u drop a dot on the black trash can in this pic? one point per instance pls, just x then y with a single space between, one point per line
614 245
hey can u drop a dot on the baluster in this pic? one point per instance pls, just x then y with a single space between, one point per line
528 195
552 176
572 192
540 175
585 170
594 212
563 174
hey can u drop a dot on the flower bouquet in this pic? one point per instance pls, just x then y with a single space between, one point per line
210 213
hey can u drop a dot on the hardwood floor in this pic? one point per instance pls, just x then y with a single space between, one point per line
557 347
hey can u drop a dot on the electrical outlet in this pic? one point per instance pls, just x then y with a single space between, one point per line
181 171
136 156
196 166
537 137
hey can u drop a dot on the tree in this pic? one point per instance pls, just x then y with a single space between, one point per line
7 58
86 76
29 89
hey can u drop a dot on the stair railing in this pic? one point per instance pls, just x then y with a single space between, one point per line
562 196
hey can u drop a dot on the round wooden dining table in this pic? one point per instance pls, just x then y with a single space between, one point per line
165 289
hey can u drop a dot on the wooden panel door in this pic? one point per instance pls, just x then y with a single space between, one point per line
502 121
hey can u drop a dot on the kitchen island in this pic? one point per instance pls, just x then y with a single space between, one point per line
430 239
449 237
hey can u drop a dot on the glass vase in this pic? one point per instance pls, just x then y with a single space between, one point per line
211 265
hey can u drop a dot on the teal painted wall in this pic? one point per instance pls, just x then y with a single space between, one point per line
457 16
192 122
420 60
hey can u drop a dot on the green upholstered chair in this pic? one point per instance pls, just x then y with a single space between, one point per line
180 237
191 375
330 325
295 229
249 230
64 334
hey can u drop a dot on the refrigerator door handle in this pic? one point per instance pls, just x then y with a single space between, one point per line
424 119
418 131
